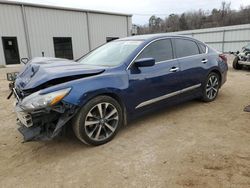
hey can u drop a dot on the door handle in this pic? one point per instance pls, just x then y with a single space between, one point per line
204 60
174 69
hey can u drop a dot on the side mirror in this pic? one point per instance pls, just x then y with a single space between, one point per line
237 52
24 60
145 62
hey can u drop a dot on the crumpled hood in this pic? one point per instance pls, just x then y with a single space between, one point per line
41 70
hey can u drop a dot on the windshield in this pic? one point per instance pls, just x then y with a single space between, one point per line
111 54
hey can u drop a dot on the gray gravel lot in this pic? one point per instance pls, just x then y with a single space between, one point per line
194 144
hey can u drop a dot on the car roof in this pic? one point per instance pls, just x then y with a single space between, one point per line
154 36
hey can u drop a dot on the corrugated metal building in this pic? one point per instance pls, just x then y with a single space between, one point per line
224 39
31 30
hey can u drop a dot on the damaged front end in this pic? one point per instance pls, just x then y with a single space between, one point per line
42 116
41 89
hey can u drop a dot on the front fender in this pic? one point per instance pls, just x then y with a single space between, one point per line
85 89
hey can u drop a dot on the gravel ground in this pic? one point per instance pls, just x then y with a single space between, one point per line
190 145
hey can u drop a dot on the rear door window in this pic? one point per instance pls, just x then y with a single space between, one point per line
160 50
185 47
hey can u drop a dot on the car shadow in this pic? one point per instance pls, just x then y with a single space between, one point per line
67 144
164 110
68 135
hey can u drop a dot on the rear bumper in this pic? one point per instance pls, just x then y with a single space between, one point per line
223 68
44 124
223 78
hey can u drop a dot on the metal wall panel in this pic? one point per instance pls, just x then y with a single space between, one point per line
229 38
129 18
237 35
234 46
217 46
208 37
189 35
44 24
35 26
11 25
102 26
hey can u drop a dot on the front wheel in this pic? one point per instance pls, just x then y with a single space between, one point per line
98 121
211 87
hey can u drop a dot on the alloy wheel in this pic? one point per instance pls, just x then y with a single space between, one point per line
212 87
101 121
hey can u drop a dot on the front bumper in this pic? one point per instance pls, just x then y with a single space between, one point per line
244 63
44 124
23 117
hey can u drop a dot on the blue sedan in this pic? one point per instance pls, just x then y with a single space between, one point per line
113 84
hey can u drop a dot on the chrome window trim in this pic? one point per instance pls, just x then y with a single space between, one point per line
162 38
157 99
190 56
163 61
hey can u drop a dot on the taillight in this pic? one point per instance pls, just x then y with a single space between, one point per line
223 57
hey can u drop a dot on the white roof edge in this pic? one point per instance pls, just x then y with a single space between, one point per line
61 8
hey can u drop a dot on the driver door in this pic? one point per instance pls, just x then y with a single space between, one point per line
150 85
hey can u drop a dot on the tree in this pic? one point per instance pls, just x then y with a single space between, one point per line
223 16
172 23
183 22
155 24
225 13
152 21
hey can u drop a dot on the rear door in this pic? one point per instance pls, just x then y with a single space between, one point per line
149 85
192 61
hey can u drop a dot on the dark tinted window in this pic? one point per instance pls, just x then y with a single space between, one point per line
202 48
186 48
10 48
160 50
63 47
109 39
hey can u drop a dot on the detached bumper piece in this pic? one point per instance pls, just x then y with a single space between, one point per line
44 124
247 108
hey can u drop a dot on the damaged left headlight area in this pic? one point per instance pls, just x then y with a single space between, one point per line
41 116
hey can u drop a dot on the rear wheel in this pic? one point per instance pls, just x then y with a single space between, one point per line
236 64
211 87
98 121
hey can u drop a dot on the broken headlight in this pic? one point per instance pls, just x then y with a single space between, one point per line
37 100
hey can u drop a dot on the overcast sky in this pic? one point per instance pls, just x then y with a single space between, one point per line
142 9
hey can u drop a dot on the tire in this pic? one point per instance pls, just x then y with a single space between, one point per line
236 65
211 87
98 121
